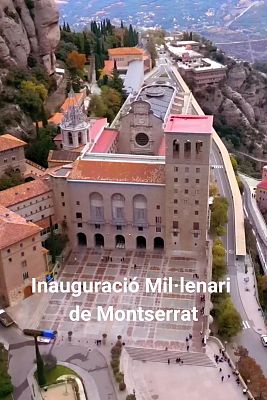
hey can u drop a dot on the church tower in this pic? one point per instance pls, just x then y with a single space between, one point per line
188 146
75 125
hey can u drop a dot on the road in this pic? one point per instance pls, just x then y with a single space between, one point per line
248 337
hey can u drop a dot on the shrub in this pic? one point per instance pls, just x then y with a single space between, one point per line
115 363
122 386
119 377
116 351
130 397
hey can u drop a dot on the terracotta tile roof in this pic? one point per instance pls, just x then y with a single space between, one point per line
97 126
56 119
62 155
26 191
58 138
76 99
8 141
125 51
14 228
105 141
108 68
45 222
112 171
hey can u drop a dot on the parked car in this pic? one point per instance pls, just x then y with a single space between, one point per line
5 319
44 340
264 340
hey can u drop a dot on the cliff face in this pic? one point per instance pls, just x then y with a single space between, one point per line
240 102
28 27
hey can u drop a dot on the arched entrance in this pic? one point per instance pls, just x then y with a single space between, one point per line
158 243
120 241
99 240
140 242
82 239
27 291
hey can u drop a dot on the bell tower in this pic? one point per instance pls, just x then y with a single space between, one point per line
188 145
75 125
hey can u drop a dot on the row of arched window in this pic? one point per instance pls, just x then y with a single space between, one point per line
117 207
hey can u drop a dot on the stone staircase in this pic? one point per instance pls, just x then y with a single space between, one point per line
155 355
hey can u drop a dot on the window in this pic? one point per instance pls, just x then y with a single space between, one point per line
142 139
175 224
40 208
118 227
195 235
175 211
80 225
63 204
175 169
56 226
158 229
10 259
5 160
197 170
22 254
21 245
65 217
34 248
158 220
175 201
25 275
96 207
79 215
186 191
175 148
185 201
77 203
175 180
158 207
140 228
196 212
70 138
24 263
97 226
199 146
175 234
62 194
196 191
197 180
175 190
186 180
8 250
140 209
196 202
13 158
42 215
187 149
195 226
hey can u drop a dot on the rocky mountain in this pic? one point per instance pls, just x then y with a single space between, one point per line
239 105
28 28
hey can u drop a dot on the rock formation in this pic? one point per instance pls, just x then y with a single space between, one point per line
241 102
28 28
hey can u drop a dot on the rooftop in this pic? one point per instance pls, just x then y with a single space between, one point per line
112 171
62 155
26 191
105 141
125 51
72 100
203 64
14 228
96 127
56 119
159 97
108 68
8 142
189 124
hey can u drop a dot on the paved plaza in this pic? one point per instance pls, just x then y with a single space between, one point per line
91 265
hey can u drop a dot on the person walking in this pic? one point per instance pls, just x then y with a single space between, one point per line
187 347
222 378
220 370
169 361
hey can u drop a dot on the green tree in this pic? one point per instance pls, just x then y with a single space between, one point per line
219 211
40 364
10 179
234 163
151 48
38 149
6 387
227 318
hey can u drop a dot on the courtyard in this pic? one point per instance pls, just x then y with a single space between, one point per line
94 265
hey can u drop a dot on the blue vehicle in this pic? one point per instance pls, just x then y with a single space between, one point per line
49 334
